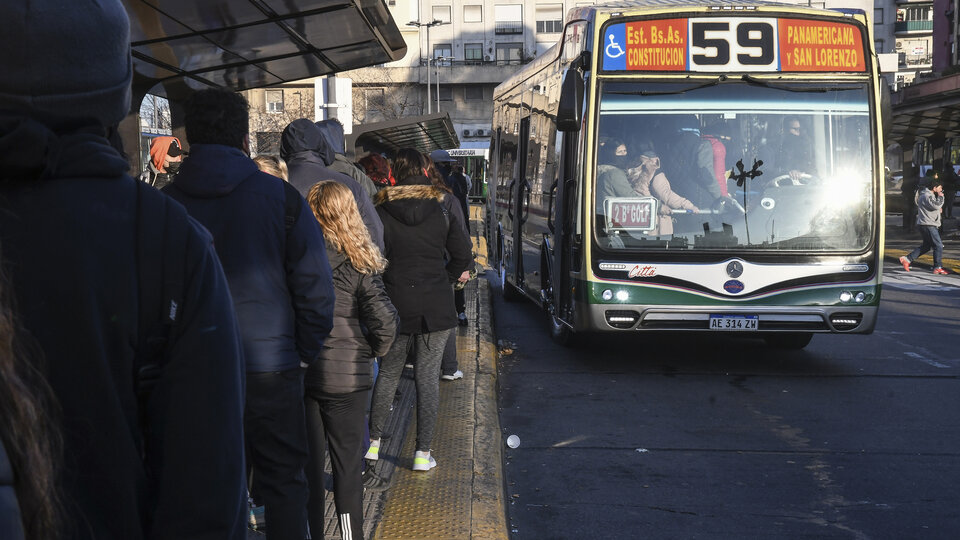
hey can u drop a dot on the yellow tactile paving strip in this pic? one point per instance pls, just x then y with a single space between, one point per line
462 498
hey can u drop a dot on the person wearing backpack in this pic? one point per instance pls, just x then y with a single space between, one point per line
275 260
109 277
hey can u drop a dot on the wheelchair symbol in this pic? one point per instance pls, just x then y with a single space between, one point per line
614 50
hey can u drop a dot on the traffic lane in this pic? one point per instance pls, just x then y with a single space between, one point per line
621 411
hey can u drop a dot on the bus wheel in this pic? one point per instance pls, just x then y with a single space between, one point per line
794 341
509 292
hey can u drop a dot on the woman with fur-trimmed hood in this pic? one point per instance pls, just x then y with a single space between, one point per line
428 249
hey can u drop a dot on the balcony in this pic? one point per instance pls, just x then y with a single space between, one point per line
508 27
912 26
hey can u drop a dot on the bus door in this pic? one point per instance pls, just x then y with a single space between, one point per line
565 240
519 204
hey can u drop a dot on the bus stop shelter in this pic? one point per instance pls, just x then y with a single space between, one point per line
425 133
180 46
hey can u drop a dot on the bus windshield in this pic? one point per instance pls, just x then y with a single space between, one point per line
747 165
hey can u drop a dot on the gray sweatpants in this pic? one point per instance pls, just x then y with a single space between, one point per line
427 350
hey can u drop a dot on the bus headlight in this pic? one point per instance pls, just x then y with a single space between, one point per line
607 295
846 296
860 297
622 296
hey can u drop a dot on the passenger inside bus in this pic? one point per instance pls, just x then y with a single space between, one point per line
645 180
791 154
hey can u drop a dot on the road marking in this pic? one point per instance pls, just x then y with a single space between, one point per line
926 360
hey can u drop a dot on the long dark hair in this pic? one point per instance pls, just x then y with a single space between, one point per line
27 410
407 163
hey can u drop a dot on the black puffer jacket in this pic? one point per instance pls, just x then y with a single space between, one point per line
344 363
427 250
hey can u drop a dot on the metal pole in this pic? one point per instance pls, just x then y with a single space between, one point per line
436 64
428 68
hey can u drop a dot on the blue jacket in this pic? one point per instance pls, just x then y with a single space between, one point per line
280 281
68 235
11 524
303 147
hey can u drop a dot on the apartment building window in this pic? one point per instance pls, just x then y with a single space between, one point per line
508 19
446 93
473 13
877 15
273 100
509 53
444 50
473 53
441 13
549 18
374 99
473 92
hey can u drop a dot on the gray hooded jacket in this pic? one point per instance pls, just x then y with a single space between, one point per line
928 207
332 131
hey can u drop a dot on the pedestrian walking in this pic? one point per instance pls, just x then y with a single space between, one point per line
929 207
120 294
337 384
427 252
275 260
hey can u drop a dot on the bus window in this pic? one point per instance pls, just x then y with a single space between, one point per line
733 166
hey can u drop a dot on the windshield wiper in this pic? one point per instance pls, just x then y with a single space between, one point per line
707 84
750 79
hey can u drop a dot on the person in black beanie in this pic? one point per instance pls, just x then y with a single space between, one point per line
77 255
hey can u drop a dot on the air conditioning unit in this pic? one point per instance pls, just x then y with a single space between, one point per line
481 133
467 133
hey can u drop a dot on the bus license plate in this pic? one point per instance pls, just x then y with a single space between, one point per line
734 323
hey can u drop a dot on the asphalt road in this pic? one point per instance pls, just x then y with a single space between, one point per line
714 437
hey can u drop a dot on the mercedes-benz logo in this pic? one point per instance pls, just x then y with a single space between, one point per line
734 269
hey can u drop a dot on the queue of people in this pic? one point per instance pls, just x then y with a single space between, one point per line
215 338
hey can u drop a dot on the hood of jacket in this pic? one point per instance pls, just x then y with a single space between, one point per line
213 170
332 131
302 140
29 150
410 204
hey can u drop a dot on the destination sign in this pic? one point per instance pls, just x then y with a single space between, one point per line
722 44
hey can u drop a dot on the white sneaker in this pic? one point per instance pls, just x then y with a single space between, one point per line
452 377
423 461
373 453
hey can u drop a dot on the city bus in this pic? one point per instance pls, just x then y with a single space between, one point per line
704 167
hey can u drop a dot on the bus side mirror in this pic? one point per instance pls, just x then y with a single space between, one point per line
570 108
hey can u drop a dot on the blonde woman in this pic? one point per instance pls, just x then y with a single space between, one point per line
272 165
338 381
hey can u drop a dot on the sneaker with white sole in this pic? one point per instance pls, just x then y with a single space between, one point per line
453 376
373 453
423 461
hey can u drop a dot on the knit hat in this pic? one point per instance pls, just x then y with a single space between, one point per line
73 62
